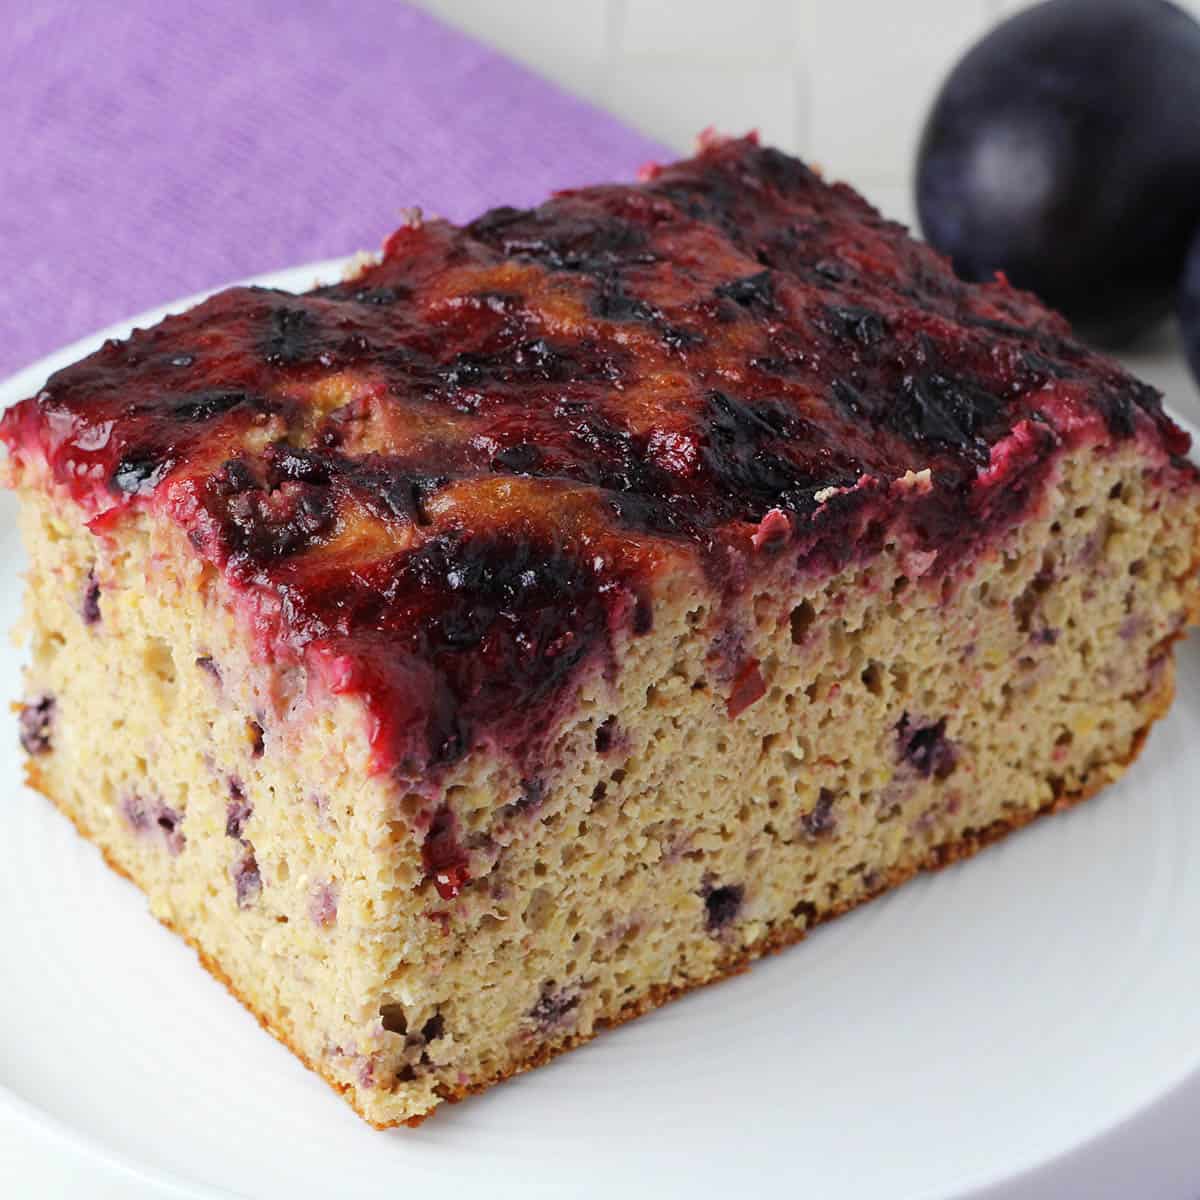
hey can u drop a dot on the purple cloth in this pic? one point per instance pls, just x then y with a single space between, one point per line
151 150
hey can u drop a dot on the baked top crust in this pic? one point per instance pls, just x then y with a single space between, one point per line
453 480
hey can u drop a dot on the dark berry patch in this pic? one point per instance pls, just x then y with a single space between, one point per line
89 608
247 880
206 664
643 617
393 1018
613 303
533 795
820 821
272 524
748 455
605 733
36 724
169 823
521 459
203 406
756 292
238 810
943 411
141 471
926 747
151 815
863 326
292 337
721 906
554 1007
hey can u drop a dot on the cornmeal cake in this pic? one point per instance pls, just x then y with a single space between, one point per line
571 607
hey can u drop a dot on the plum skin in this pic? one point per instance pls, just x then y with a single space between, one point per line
1189 307
1064 151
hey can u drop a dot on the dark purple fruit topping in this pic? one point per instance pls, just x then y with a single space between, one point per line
1064 150
1189 305
450 486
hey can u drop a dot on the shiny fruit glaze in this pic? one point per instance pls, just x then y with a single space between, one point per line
451 484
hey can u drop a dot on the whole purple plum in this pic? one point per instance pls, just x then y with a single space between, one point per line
1064 150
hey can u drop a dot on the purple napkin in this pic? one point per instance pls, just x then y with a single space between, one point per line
150 150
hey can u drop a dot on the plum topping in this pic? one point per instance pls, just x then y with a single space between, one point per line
153 816
451 503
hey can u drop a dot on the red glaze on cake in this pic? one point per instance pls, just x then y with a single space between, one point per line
448 483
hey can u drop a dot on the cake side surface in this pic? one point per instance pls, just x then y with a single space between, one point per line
574 606
690 815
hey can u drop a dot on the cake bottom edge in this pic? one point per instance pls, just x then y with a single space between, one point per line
785 934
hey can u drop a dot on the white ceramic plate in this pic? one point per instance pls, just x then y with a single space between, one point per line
969 1027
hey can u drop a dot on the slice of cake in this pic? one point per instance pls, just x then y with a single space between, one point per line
574 606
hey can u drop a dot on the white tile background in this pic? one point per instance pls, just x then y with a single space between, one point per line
845 83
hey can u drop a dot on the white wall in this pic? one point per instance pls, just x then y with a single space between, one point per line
844 83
